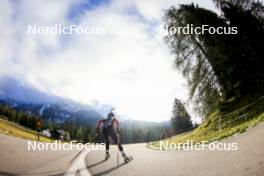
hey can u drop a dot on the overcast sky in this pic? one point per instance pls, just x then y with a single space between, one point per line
129 66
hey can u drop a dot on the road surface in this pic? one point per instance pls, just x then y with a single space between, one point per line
15 159
247 160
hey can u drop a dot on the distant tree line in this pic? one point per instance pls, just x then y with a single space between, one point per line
138 134
23 118
34 122
84 132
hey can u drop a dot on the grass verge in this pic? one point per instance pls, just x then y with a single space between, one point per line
219 126
13 129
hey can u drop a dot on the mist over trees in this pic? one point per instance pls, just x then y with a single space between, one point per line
133 131
219 68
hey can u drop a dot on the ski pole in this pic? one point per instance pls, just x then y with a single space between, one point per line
117 161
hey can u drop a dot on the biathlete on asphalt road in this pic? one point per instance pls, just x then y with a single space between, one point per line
110 128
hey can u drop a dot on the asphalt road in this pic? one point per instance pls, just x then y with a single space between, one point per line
15 159
247 160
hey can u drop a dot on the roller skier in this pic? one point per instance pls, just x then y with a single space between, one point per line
110 128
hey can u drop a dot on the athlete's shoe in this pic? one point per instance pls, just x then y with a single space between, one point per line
107 156
127 159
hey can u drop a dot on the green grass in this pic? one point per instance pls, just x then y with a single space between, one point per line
13 129
230 123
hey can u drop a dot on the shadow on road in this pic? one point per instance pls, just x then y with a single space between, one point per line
7 174
32 174
50 173
109 170
95 164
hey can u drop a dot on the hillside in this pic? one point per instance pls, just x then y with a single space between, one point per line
57 112
13 129
230 124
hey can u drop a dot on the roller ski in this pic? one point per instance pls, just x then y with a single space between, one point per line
107 156
127 158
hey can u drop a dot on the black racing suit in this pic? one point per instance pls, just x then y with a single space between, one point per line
108 131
